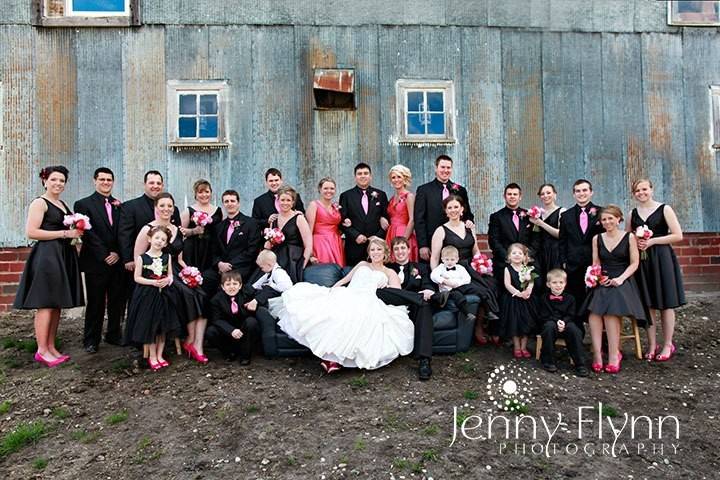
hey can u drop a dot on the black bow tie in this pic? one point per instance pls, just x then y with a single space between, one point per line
449 269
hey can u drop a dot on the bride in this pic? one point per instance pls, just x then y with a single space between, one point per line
350 326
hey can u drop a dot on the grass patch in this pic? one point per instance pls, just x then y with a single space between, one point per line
27 345
146 451
416 467
608 411
517 407
60 413
84 436
12 362
40 463
359 382
401 463
120 365
252 409
360 444
429 455
5 407
461 416
117 417
470 395
431 430
291 461
24 434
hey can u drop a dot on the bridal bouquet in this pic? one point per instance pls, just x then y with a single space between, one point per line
594 276
201 219
535 212
527 274
644 233
274 236
191 277
482 264
77 221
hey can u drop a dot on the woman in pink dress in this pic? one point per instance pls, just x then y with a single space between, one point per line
400 209
324 218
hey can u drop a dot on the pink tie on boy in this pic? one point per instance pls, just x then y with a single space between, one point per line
583 220
234 306
108 210
364 202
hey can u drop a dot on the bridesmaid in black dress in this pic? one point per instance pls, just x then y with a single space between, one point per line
189 301
51 280
549 225
196 249
294 253
455 233
617 295
659 276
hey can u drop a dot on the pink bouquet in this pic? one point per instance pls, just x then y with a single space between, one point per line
77 221
201 218
191 277
274 235
643 232
594 276
527 274
482 264
535 212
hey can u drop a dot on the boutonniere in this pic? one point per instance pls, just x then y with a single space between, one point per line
455 188
374 194
415 273
234 223
522 214
115 203
592 211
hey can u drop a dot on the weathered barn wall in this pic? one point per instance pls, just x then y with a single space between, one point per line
546 90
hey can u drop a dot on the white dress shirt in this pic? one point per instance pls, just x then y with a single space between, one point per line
458 275
277 279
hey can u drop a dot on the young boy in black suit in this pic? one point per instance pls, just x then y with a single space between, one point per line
557 314
232 330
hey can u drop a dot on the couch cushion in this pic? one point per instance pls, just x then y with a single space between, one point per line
325 274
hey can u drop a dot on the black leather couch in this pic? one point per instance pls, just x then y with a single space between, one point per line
452 333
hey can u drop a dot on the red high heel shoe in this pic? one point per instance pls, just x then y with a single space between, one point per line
163 363
188 348
48 363
665 358
650 356
597 367
154 366
517 354
610 368
482 341
526 354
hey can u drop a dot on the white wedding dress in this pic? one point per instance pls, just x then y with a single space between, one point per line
350 326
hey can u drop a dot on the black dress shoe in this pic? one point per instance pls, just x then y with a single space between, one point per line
492 316
244 362
582 371
424 369
91 349
440 298
550 367
114 341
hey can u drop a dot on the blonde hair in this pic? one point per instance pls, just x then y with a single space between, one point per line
379 241
637 182
449 250
613 210
199 184
522 248
556 274
287 190
324 180
403 171
266 256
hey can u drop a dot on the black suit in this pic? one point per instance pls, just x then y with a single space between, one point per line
415 278
549 312
264 206
429 213
222 322
576 247
101 280
240 252
137 213
362 223
502 233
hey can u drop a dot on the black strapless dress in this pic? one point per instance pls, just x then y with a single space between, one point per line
189 301
290 252
51 278
196 249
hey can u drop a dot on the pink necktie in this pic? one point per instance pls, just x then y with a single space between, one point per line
364 202
446 192
583 220
233 305
231 229
108 209
516 220
277 202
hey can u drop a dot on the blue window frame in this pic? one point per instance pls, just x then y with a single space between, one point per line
425 111
98 8
197 113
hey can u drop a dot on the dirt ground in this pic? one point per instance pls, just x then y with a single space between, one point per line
284 419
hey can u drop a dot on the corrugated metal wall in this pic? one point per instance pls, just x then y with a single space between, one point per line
620 95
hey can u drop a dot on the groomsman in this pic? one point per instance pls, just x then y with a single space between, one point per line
266 207
429 213
366 208
100 260
509 225
235 244
578 226
137 213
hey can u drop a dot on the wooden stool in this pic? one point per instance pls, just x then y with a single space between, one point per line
538 346
635 333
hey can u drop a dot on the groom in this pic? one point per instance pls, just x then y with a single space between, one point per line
366 208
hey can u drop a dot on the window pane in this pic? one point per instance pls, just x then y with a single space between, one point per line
435 102
188 104
187 127
208 104
208 127
98 5
415 125
437 124
414 101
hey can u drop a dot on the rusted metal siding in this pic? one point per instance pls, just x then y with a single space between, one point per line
547 104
